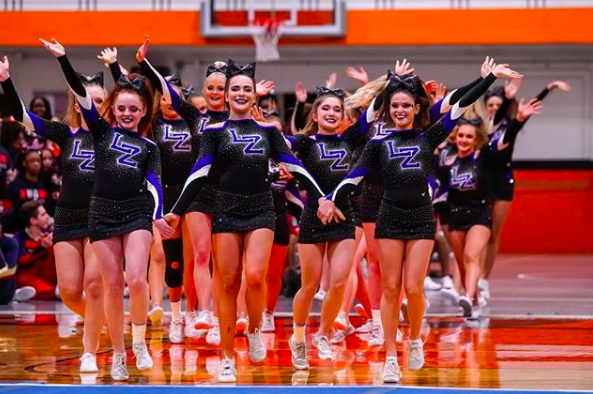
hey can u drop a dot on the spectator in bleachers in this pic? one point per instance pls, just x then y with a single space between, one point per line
13 140
51 179
41 107
26 187
36 264
9 254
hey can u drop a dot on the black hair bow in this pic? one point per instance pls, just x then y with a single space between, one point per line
96 79
476 122
324 91
407 82
138 85
174 79
213 69
234 68
187 91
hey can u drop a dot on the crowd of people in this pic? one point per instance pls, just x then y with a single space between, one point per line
153 184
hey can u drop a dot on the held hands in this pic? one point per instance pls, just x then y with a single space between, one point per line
564 86
141 53
327 211
503 71
263 87
53 46
487 67
4 69
359 75
300 92
533 107
403 68
108 56
172 220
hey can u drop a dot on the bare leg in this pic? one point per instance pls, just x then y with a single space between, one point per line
500 211
70 270
417 259
93 288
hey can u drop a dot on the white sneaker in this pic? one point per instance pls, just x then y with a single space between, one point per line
88 363
176 331
358 308
476 312
228 373
451 295
391 371
320 295
143 359
366 327
119 370
257 349
203 320
447 282
267 323
24 293
324 348
213 336
341 323
482 301
377 336
189 330
416 354
465 304
430 284
341 335
156 315
484 286
241 326
299 353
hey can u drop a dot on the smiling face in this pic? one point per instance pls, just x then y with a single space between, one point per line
329 114
466 139
214 91
402 110
492 105
128 110
241 95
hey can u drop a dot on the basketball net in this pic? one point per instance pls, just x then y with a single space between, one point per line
266 36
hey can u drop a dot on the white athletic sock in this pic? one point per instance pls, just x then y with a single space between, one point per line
138 333
176 309
299 332
376 313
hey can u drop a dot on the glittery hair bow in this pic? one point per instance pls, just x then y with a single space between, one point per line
174 79
234 68
324 91
213 69
96 79
137 85
410 83
476 122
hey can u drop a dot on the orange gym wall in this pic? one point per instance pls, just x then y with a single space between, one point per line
552 213
365 27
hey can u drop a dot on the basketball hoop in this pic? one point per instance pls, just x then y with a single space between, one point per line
266 36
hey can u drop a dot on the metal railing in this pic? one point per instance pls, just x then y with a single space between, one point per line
175 5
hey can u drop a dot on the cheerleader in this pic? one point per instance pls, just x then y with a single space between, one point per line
120 220
405 224
244 213
76 265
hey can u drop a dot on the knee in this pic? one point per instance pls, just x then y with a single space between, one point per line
339 285
113 286
70 291
228 285
137 284
201 254
255 278
471 257
414 290
93 288
391 293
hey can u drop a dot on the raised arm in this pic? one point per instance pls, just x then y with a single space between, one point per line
109 58
439 131
55 131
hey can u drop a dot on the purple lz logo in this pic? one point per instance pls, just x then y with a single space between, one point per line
337 155
250 140
407 153
181 139
88 157
203 123
381 130
462 181
128 151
